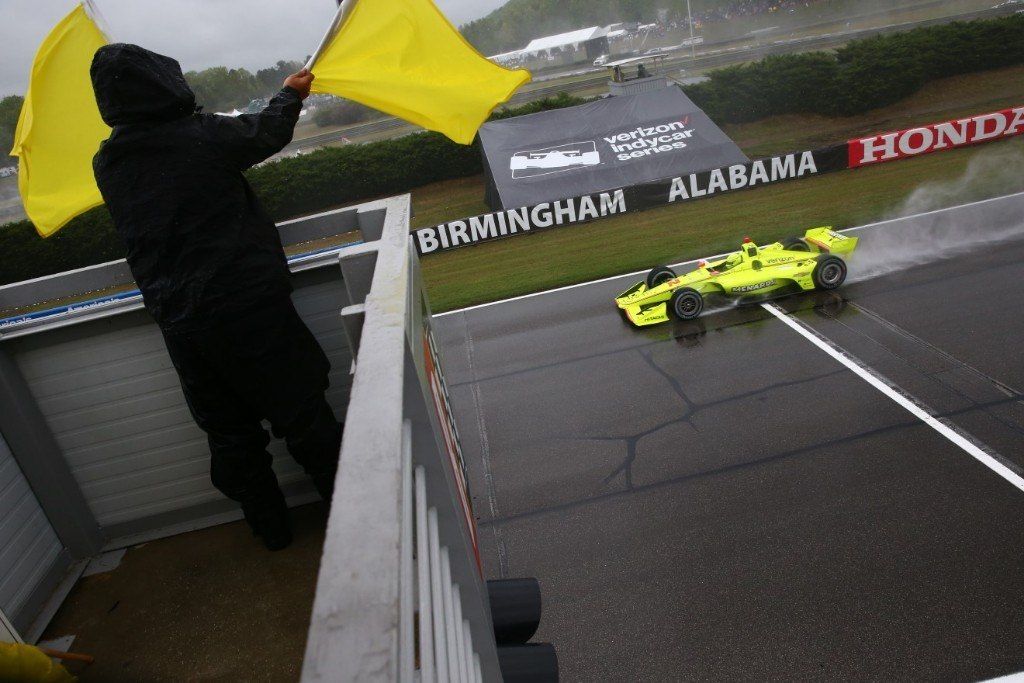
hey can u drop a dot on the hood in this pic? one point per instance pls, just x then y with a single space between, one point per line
134 85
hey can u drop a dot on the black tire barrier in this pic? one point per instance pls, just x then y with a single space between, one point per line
515 609
533 663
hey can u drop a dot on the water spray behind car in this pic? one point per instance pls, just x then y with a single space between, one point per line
936 237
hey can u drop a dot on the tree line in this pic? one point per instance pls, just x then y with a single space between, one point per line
217 89
222 89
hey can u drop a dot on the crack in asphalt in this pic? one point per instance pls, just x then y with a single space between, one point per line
670 335
691 409
726 469
630 457
569 361
626 468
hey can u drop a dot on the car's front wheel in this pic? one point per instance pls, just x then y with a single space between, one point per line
829 273
686 303
659 275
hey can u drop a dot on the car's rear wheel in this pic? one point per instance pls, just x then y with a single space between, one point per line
686 303
829 273
659 275
795 244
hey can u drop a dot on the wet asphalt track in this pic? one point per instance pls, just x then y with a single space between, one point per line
722 500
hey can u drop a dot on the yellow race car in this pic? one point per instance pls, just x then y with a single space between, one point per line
814 261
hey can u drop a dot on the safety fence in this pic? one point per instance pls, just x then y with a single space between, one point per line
866 151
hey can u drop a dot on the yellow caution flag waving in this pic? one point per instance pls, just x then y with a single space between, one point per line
60 128
403 57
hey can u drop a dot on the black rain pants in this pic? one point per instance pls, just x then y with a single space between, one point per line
265 365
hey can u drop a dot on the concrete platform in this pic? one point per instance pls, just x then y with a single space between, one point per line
210 605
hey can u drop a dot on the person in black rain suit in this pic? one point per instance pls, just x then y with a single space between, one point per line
213 274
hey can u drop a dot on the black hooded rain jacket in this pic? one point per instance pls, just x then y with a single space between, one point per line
200 246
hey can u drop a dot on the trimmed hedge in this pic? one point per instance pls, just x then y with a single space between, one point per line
291 187
341 175
87 240
863 75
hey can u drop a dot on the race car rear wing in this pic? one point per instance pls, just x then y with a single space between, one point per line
826 240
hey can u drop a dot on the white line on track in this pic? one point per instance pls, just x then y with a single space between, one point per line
906 403
1011 678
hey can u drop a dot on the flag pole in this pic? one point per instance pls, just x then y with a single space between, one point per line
94 13
344 9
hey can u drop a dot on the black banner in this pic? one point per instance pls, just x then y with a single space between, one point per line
588 207
612 142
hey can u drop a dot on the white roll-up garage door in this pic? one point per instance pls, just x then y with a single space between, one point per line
114 404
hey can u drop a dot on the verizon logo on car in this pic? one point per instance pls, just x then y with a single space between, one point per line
938 136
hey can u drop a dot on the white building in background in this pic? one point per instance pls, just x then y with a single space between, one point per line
571 39
585 45
580 45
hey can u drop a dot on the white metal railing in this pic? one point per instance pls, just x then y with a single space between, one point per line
400 594
445 640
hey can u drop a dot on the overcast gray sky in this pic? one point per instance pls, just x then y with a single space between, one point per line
198 33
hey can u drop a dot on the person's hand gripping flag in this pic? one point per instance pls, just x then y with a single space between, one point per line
403 57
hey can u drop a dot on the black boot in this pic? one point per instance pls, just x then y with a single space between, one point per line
270 523
324 484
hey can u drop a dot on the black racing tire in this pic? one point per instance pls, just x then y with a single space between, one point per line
829 273
795 244
686 303
659 275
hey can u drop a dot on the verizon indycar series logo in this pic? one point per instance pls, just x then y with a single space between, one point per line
554 159
643 141
625 146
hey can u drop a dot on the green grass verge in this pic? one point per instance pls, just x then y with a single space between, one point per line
639 240
671 234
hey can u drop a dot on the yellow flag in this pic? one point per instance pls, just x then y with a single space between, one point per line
403 57
60 128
